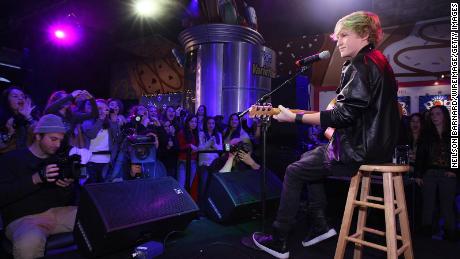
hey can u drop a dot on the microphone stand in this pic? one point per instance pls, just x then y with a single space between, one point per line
247 241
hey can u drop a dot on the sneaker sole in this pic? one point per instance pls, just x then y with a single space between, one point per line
320 238
270 251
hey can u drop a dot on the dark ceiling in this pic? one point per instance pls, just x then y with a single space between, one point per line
107 24
22 21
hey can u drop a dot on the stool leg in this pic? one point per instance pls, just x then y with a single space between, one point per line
388 198
347 216
403 219
362 214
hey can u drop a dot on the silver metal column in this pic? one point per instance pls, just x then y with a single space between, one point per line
227 67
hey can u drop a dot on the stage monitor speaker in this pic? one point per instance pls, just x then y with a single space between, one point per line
235 195
116 216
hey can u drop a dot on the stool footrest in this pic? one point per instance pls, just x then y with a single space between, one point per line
366 243
380 199
402 249
378 232
373 198
369 204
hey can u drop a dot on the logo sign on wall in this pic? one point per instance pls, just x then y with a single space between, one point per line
404 101
428 101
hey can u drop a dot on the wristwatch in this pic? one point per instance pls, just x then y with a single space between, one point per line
298 118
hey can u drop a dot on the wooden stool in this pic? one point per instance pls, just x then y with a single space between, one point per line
392 184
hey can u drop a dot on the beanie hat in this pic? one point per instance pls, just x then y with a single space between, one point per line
50 123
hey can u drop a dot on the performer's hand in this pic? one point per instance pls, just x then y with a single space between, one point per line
285 115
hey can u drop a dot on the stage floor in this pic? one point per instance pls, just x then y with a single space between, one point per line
206 239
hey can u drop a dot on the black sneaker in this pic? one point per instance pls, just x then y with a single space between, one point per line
317 236
273 246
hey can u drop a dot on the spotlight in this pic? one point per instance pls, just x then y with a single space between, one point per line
59 34
65 31
147 8
63 34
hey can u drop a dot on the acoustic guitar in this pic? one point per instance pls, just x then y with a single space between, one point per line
268 110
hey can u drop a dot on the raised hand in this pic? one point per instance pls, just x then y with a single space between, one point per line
76 93
87 94
26 109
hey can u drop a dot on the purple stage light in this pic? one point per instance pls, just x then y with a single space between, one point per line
64 34
59 34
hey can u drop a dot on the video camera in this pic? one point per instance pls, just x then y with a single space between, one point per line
69 166
142 139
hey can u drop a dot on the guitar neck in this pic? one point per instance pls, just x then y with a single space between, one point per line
270 111
276 111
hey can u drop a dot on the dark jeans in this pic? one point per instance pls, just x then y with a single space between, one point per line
205 173
312 168
435 182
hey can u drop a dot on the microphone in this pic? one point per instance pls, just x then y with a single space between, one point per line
313 58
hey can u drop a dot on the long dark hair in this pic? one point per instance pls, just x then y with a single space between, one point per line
165 113
205 110
422 124
431 132
5 111
190 134
215 132
121 107
236 133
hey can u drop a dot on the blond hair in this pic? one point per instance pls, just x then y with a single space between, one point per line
362 23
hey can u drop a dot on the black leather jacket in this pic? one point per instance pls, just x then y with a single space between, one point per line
366 116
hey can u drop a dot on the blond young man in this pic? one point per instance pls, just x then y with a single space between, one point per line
364 119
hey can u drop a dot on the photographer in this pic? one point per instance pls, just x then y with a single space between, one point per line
34 196
238 158
139 129
102 139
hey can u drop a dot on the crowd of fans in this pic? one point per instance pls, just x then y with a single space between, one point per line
101 127
184 143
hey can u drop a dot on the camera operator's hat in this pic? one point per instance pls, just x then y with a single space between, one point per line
50 123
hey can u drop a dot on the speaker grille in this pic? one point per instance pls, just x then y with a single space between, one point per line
244 187
140 201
